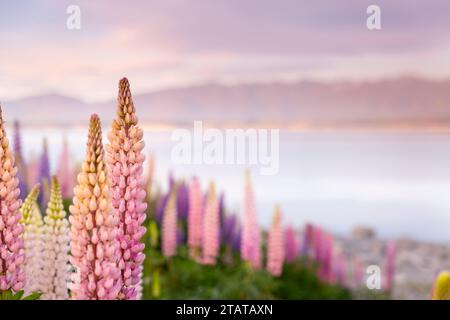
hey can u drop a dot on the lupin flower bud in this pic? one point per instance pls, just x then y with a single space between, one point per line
12 275
251 238
125 160
211 226
93 236
169 226
275 245
195 219
55 254
441 288
32 221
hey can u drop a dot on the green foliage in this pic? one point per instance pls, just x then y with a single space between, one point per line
301 282
10 295
183 278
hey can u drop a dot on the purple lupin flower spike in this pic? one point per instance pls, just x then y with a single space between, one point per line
222 207
20 161
183 201
229 226
160 207
44 174
181 236
236 239
44 164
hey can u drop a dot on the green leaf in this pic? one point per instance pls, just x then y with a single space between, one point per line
33 296
18 295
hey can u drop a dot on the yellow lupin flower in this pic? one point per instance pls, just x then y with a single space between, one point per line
55 209
441 289
28 206
56 247
32 221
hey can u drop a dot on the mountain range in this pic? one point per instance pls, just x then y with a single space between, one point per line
408 101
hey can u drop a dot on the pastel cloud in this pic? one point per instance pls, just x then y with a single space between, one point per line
163 43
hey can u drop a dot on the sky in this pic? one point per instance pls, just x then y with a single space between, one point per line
161 44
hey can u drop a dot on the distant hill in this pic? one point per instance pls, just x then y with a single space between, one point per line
401 100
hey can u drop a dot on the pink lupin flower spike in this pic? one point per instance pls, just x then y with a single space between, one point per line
195 219
93 237
390 266
12 258
251 238
65 173
169 226
125 160
211 222
291 244
275 245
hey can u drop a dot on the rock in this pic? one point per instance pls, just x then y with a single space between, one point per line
361 232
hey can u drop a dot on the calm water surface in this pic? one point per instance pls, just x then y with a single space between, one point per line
399 183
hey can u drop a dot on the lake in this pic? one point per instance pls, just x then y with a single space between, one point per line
398 183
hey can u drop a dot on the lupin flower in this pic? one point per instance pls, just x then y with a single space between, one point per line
291 245
126 173
55 254
275 245
150 177
390 265
169 226
93 237
317 243
183 201
161 206
32 236
251 238
222 207
211 226
230 226
441 287
44 164
65 174
20 161
195 218
12 258
307 242
340 269
326 258
44 174
357 273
